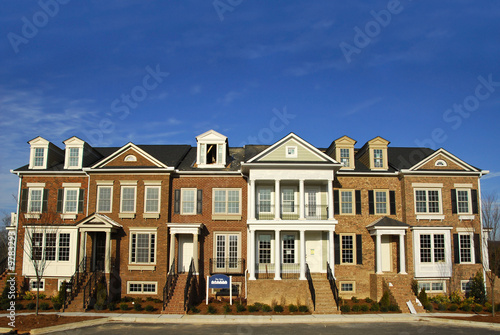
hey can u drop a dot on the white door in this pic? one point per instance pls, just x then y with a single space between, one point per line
312 203
185 252
314 250
386 251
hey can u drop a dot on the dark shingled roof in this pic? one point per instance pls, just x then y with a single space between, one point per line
387 222
236 156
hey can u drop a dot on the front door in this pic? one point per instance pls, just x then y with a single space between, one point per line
185 252
98 251
314 250
386 250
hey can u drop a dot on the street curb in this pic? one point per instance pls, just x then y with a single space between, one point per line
475 324
69 326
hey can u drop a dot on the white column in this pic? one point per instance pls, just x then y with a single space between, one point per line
251 257
82 246
277 255
402 258
302 255
251 199
330 199
172 250
107 260
378 247
277 200
302 199
332 252
195 252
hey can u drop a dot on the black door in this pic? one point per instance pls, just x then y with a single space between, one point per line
99 251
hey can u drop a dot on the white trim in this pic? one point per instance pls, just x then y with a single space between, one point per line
430 282
227 201
104 182
195 201
142 287
152 186
152 182
427 185
143 231
472 248
102 186
463 185
35 185
128 182
32 280
354 248
72 185
293 154
121 199
447 154
127 146
66 190
353 202
440 162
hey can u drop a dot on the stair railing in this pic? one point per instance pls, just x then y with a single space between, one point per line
74 283
168 289
333 285
311 286
91 287
188 292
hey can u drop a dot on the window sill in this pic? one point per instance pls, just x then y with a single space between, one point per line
226 217
32 216
142 267
68 216
126 215
430 217
151 215
466 217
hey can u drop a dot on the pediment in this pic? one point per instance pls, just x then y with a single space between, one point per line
442 160
130 156
40 141
74 141
211 136
98 221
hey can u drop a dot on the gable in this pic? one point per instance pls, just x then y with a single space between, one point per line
304 154
121 161
449 164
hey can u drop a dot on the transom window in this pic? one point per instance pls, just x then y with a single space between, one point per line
104 199
463 201
152 201
428 201
142 248
35 200
39 156
74 157
381 202
265 249
347 249
227 201
378 160
188 200
465 248
71 200
430 243
128 199
344 157
346 202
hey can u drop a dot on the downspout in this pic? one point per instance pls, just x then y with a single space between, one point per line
484 249
88 192
17 218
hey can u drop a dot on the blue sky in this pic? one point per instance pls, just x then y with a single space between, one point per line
418 73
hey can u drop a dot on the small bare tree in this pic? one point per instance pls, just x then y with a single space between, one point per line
490 209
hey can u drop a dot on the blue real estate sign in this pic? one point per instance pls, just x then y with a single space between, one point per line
218 281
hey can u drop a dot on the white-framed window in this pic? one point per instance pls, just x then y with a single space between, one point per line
440 162
347 248
226 201
345 157
130 158
74 157
378 159
428 201
464 201
211 154
264 248
35 199
143 247
71 200
432 248
188 201
381 201
438 286
347 286
104 199
465 285
466 249
291 152
346 201
288 203
128 204
288 248
227 251
50 246
64 247
264 200
35 284
39 157
136 287
152 199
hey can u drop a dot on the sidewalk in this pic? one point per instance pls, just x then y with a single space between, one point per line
251 319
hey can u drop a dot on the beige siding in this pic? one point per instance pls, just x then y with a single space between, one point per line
303 154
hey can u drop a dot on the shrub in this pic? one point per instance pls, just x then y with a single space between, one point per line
441 307
303 308
345 308
414 287
98 307
149 299
453 307
368 300
355 308
375 307
4 306
258 305
354 300
466 307
211 309
150 308
278 309
61 296
126 299
240 308
455 298
384 309
227 309
42 296
477 290
44 306
57 306
292 308
138 307
124 306
428 306
393 308
28 296
19 306
422 296
252 308
364 308
31 306
112 306
195 310
478 308
266 308
385 301
441 299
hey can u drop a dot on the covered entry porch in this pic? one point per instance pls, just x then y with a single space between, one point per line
184 246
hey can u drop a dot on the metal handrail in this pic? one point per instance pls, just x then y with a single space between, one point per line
90 287
187 288
311 286
168 289
333 285
74 283
227 265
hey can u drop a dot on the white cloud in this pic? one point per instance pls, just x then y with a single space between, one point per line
491 175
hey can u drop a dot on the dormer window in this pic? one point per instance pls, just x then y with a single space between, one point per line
212 149
39 158
39 150
378 159
344 157
73 160
342 150
74 153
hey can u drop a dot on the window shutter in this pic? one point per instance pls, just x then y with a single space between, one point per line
80 200
358 202
177 201
392 204
199 201
359 249
336 247
456 249
60 199
454 201
473 195
371 206
24 200
477 248
45 200
336 202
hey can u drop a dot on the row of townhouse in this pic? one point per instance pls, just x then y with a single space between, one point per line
289 221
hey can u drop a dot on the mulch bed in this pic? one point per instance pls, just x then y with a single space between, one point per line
219 306
24 323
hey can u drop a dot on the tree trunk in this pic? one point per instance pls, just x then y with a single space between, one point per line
37 295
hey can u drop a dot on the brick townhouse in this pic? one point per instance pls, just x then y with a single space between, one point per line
289 222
